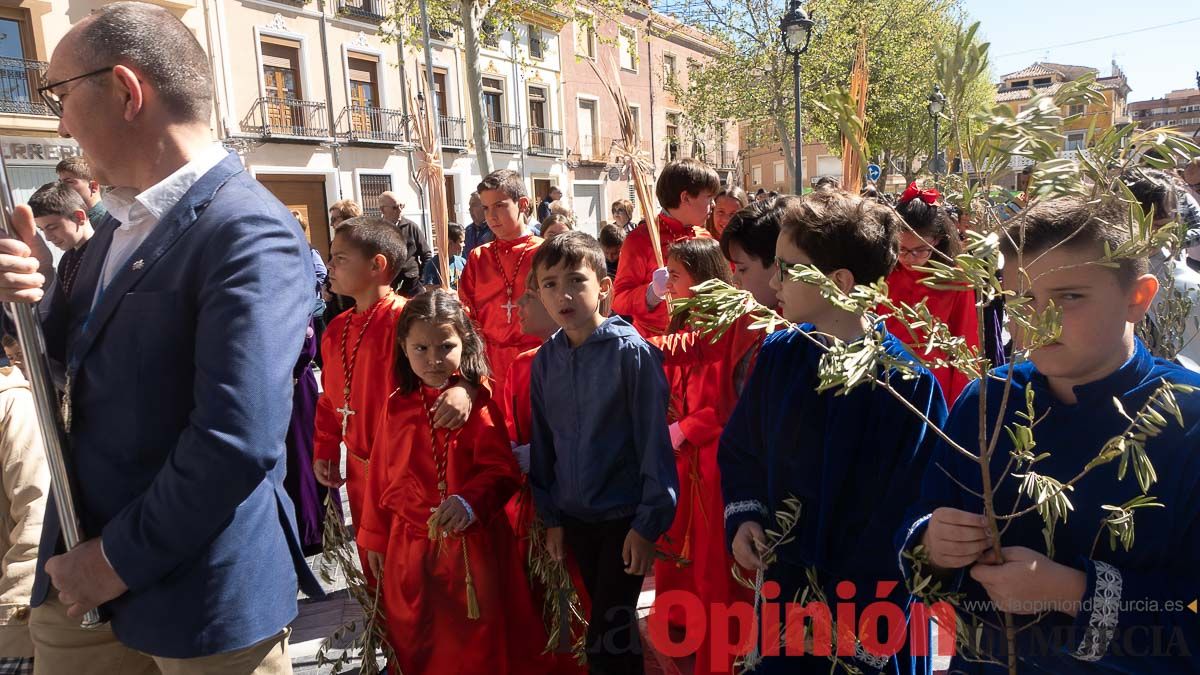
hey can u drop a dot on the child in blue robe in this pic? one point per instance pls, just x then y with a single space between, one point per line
1088 605
852 460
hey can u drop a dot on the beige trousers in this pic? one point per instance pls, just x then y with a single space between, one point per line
62 647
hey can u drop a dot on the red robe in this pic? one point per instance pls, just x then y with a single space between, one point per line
518 414
708 377
372 383
955 308
636 268
424 582
482 290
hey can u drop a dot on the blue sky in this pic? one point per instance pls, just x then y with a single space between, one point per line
1155 61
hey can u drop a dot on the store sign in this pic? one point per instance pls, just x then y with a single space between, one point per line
34 150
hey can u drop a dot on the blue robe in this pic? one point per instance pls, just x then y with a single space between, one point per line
1164 564
854 461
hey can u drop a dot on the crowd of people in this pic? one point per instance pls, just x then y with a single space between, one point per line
544 406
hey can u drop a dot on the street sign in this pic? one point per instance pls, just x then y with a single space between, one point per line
874 172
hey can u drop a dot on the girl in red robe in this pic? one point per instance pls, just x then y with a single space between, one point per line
706 377
931 233
454 596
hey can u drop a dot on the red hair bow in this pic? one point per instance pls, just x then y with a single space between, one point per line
930 196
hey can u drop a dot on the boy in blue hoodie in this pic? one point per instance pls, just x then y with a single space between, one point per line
853 460
602 468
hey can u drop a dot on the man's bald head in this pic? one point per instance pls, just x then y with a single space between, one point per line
154 43
390 206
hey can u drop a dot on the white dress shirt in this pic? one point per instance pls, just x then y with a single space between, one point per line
140 213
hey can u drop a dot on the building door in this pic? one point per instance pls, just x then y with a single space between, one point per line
541 188
451 200
281 83
587 208
306 194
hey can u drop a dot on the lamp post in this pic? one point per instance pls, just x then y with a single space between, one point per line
795 28
937 101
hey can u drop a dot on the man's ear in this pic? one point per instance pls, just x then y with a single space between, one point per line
1141 295
523 204
132 91
379 263
94 186
842 278
80 217
606 286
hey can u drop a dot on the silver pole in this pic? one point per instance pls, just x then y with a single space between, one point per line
37 363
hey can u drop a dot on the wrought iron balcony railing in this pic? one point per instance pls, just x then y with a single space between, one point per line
367 123
272 116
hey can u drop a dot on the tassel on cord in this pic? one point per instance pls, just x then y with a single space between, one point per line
472 599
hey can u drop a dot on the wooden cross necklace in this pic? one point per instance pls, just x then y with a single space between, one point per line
348 365
509 284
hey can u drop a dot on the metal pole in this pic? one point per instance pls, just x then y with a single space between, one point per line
799 134
45 399
935 149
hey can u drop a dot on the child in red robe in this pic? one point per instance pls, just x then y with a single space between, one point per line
706 377
494 277
685 191
358 343
454 595
931 233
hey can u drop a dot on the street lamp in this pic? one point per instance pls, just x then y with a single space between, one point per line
937 101
795 28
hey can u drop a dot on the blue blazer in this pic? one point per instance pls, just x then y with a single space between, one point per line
182 392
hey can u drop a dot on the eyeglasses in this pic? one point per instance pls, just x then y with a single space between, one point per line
54 101
919 253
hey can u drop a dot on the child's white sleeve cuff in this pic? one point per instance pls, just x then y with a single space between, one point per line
470 511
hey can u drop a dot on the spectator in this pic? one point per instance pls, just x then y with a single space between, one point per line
60 213
554 225
543 209
477 232
343 209
431 276
622 213
408 282
728 201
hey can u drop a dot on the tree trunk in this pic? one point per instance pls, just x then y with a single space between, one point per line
472 21
884 170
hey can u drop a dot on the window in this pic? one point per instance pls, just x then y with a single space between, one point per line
1075 141
672 139
489 34
585 39
693 68
493 100
364 89
1076 109
539 114
756 174
439 93
1019 84
780 172
281 83
21 75
636 111
1042 82
669 72
537 48
586 120
627 48
370 186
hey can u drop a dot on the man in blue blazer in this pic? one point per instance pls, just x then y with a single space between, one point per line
178 336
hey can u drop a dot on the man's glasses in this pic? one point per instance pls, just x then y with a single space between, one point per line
54 101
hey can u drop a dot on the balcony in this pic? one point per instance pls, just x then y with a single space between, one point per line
19 81
727 160
368 124
504 137
453 131
286 117
368 10
592 150
545 142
